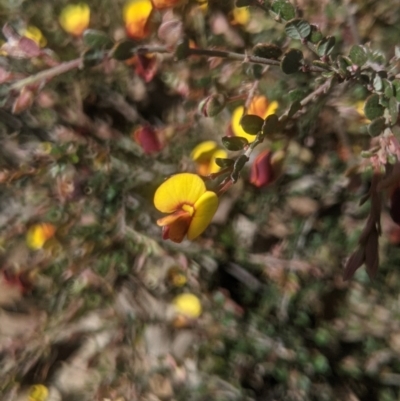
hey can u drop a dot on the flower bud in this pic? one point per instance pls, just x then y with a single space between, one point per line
267 168
147 138
170 32
74 18
212 105
23 101
38 234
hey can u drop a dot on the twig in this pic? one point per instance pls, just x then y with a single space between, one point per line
47 75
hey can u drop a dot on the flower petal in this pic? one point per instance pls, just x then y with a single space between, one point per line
219 154
188 304
184 188
177 230
74 18
205 209
273 106
136 14
203 149
237 128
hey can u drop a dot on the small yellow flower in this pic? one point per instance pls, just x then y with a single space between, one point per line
240 15
360 110
75 18
260 107
204 155
35 34
38 234
38 392
190 206
136 15
188 305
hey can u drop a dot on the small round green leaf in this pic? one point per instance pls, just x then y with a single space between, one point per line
388 88
283 9
97 39
372 107
291 61
251 123
224 162
267 51
123 50
271 125
297 29
358 55
377 126
315 35
393 110
234 142
325 46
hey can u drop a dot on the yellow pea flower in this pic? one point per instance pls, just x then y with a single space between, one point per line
35 34
240 15
38 392
75 18
136 15
260 107
38 234
360 110
188 305
190 206
204 155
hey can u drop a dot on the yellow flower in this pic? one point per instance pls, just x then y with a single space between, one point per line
240 15
360 110
35 34
188 305
190 205
136 15
75 18
260 107
38 234
38 392
204 155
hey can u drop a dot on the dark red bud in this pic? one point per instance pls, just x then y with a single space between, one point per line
147 138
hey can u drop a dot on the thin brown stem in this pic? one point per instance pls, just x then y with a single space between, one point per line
47 75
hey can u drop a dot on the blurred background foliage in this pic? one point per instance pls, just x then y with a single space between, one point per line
89 313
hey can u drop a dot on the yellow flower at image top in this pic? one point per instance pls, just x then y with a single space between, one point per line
204 155
240 15
136 15
38 234
38 392
259 106
188 305
189 205
35 34
75 18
